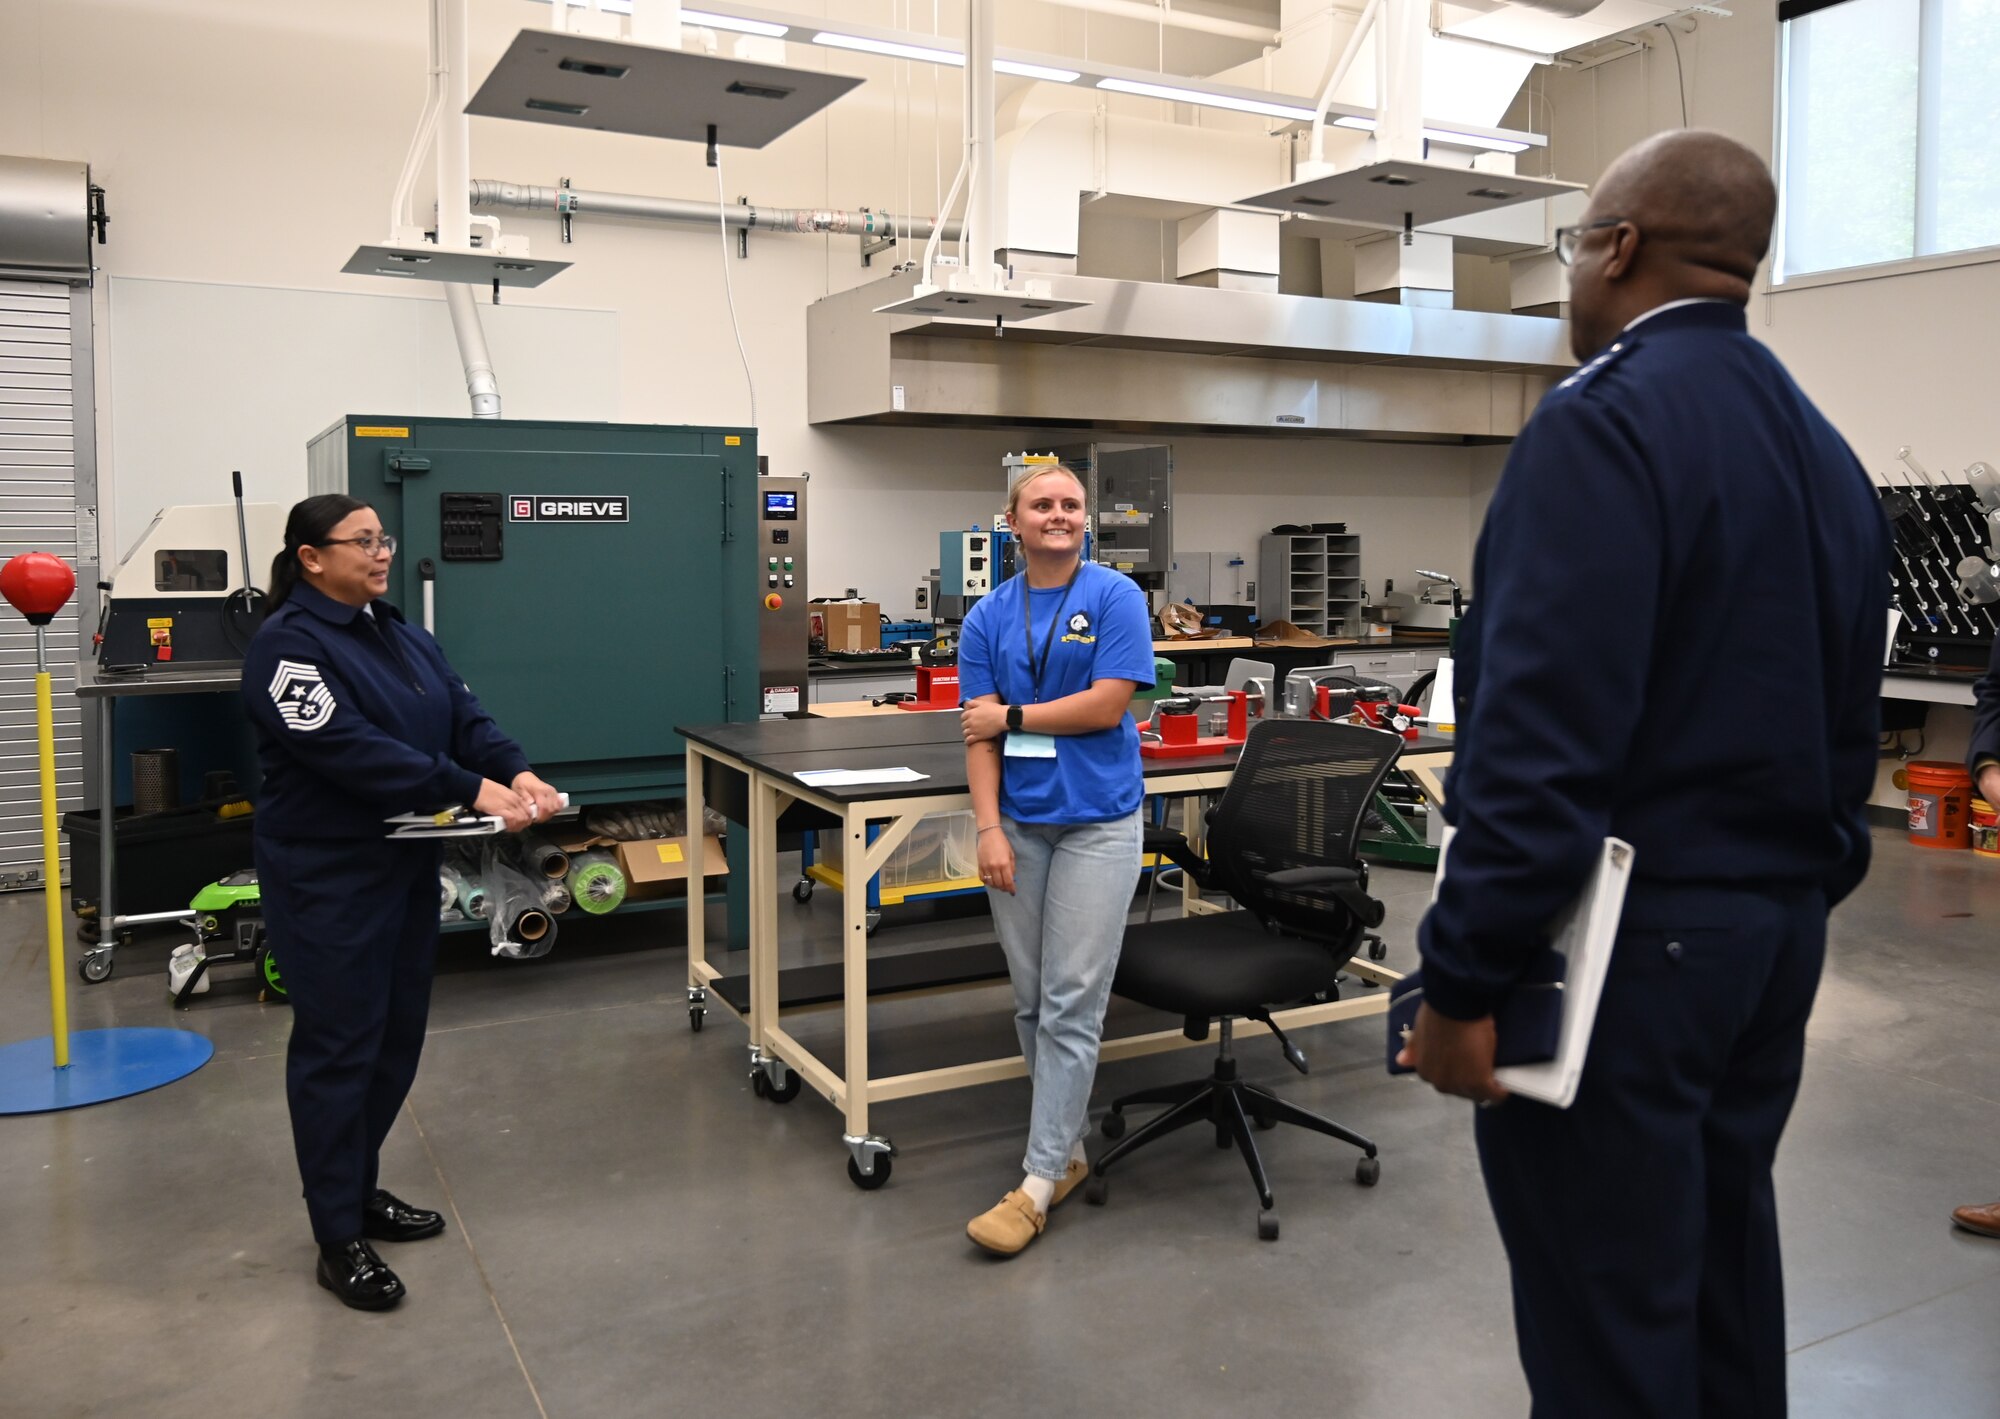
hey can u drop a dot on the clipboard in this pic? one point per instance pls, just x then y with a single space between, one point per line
1585 934
457 821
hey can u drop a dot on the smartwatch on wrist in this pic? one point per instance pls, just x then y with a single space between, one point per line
1013 716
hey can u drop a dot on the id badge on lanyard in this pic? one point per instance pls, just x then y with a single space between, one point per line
1020 743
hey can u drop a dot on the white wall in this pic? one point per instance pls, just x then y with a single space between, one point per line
1891 361
249 143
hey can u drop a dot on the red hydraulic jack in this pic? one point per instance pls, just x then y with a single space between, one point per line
1180 736
937 689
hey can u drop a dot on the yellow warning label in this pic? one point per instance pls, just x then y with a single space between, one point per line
732 440
159 623
1126 566
671 852
379 431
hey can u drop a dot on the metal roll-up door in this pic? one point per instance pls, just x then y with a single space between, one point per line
38 462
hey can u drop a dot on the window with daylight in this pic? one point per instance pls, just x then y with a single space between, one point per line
1888 110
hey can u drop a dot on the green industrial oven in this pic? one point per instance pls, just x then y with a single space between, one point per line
595 584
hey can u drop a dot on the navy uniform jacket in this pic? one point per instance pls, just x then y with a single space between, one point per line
359 718
1676 639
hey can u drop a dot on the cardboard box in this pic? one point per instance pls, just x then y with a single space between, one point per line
657 867
852 625
1285 633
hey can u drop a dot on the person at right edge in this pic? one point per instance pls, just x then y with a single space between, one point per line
1982 757
1676 638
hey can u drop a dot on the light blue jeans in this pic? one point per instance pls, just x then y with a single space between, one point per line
1061 930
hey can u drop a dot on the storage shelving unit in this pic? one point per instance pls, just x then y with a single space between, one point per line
1312 580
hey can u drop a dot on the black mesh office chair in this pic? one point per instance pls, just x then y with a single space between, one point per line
1281 842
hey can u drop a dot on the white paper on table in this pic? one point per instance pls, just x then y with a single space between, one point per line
846 778
1584 933
1895 621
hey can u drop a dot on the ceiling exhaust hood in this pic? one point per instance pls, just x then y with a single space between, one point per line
1150 357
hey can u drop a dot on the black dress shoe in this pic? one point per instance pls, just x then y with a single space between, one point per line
387 1218
353 1272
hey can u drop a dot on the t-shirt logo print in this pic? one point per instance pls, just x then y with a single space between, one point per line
302 698
1079 630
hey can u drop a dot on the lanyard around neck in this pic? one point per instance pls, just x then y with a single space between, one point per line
1037 665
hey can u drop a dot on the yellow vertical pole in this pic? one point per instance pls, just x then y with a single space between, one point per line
45 734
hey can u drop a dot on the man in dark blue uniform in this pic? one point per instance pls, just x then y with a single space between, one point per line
1676 640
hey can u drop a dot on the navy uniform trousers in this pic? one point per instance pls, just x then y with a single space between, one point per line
354 927
1640 1222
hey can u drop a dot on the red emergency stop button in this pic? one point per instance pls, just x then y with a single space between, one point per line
773 601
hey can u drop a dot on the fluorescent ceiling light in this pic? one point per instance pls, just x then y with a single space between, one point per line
897 50
1206 100
1036 71
1441 135
889 47
704 19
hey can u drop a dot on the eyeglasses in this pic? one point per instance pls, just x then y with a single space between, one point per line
1567 238
370 546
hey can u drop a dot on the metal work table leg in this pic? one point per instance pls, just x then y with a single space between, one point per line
96 963
700 973
868 1161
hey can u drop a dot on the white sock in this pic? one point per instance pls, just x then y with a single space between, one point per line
1077 1153
1040 1191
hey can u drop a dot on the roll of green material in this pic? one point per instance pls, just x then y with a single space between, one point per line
596 882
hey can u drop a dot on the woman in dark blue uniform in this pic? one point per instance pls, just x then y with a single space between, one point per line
359 717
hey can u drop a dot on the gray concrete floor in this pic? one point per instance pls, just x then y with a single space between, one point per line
632 1233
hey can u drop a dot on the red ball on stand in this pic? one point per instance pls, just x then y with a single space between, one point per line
37 584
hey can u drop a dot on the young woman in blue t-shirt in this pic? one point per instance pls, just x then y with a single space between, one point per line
1047 666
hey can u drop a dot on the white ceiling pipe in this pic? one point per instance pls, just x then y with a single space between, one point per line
979 79
1173 19
454 207
400 214
480 383
1339 72
657 22
1399 80
798 221
454 133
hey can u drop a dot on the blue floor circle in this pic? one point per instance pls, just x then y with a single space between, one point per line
103 1064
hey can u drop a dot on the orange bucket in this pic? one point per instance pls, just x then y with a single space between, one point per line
1985 828
1940 795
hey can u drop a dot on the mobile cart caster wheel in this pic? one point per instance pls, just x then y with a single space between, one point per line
1267 1225
778 1093
95 967
802 890
760 1083
867 1182
1112 1126
1368 1171
695 1016
1097 1191
1378 949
